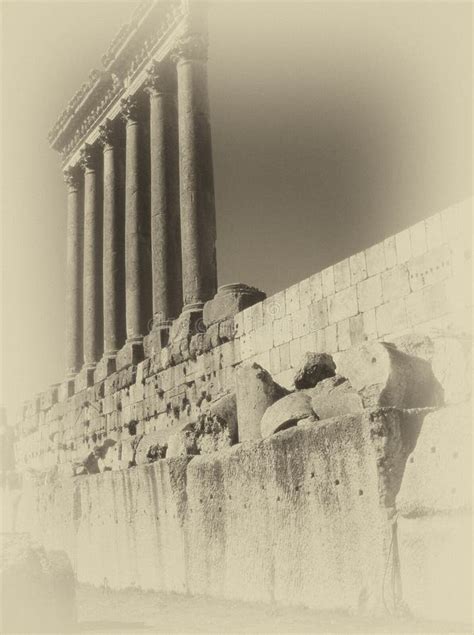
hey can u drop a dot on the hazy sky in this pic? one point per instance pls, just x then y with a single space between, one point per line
334 125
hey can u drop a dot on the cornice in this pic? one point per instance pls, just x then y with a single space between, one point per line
132 50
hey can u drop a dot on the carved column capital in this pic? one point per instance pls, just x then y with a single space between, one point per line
129 109
154 83
190 47
87 160
72 178
106 135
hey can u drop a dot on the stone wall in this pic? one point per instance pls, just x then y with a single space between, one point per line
299 518
416 282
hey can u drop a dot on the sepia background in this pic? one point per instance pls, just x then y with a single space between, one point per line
334 125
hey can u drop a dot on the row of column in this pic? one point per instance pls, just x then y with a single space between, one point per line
94 306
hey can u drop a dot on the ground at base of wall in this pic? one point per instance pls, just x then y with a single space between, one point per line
134 611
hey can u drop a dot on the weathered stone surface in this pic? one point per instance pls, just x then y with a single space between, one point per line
384 376
129 355
38 588
334 397
286 412
255 392
182 444
312 498
150 448
105 367
435 518
314 367
450 357
189 323
224 410
229 300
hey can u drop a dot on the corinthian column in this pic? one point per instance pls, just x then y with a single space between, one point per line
112 273
74 351
92 262
135 236
198 222
164 201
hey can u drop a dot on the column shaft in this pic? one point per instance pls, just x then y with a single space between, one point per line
135 241
92 265
198 223
164 205
112 300
74 254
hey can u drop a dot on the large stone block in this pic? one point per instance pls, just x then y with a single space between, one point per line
334 397
229 300
286 412
384 376
255 392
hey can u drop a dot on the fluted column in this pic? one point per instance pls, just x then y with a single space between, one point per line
92 261
74 252
164 201
135 236
111 261
198 222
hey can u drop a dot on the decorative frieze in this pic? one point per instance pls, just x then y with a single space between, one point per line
132 49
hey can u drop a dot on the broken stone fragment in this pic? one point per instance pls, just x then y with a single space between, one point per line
212 434
333 397
182 444
314 368
229 300
384 376
224 410
286 412
255 392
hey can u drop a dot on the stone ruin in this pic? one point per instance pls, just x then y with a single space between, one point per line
297 448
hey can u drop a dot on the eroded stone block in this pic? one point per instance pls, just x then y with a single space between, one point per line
384 376
286 412
333 397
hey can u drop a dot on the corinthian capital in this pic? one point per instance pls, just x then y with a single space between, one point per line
129 108
154 83
72 178
87 160
106 134
190 47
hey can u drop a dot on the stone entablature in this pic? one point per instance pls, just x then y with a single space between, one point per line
416 282
154 27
